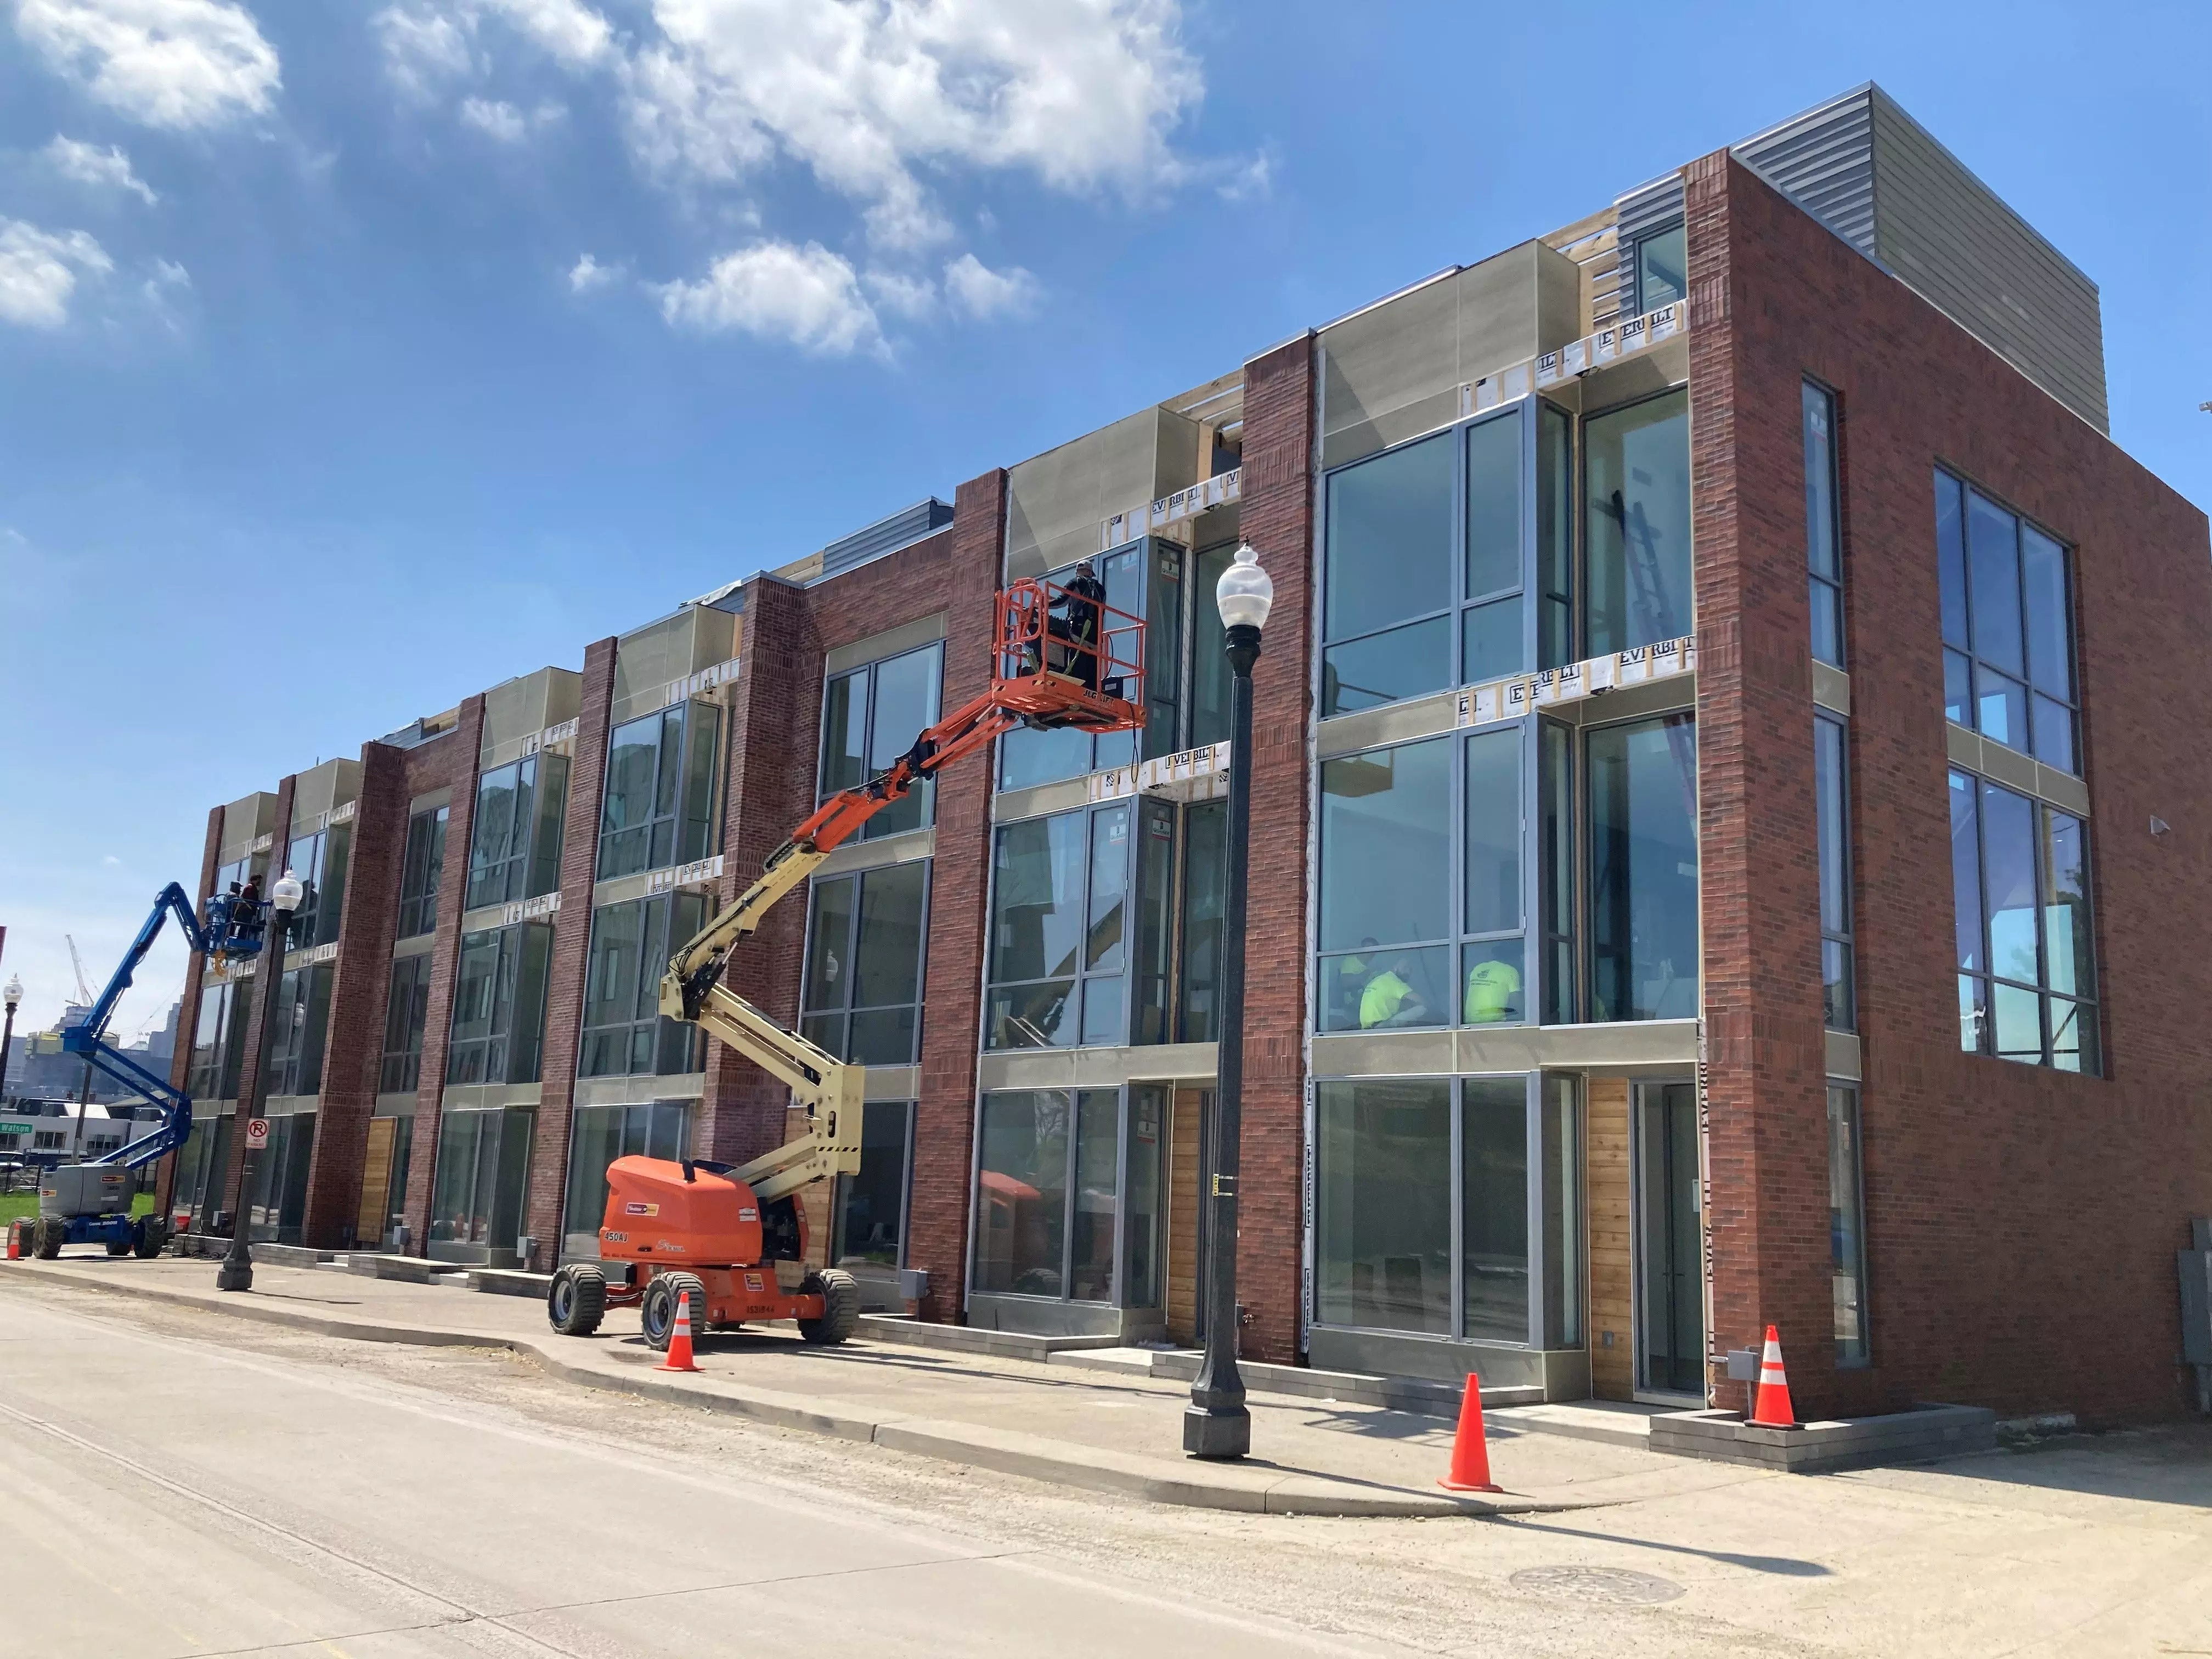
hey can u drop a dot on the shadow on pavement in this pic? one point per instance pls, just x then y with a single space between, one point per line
1783 1566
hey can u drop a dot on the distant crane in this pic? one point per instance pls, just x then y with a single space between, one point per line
83 990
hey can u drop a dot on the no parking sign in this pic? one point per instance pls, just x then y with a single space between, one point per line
257 1134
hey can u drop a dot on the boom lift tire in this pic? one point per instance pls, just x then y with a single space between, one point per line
118 1247
148 1236
578 1300
46 1243
658 1312
840 1306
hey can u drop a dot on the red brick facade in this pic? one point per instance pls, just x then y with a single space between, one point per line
2021 1222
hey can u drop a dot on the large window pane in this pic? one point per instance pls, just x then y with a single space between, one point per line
1385 846
1098 1158
1493 973
1644 875
421 869
872 1205
1966 874
2069 953
1846 1228
830 933
2016 1017
1555 537
1561 1139
1493 507
1494 1207
906 695
1662 269
1636 473
887 968
626 819
1557 784
2049 631
1021 1193
1405 662
1951 557
1109 890
1142 1211
1493 832
1038 898
1210 674
2008 875
2001 706
1993 558
1206 878
1374 989
1492 641
1390 528
844 732
1834 836
1823 535
1382 1202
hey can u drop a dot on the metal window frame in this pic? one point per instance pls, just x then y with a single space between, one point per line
1072 1094
418 911
848 1008
927 788
1834 402
2069 553
1854 1089
1849 937
1080 976
1639 1089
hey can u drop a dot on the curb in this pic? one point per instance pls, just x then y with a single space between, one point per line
1239 1488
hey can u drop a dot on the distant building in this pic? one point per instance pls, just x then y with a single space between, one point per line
39 1068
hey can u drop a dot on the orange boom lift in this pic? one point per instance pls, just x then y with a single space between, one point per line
733 1238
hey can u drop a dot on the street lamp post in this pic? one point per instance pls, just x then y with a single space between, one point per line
13 995
236 1272
1216 1424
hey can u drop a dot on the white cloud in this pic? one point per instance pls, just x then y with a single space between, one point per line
1083 94
588 276
38 271
1249 182
506 123
422 49
981 292
902 296
88 165
571 32
807 295
162 63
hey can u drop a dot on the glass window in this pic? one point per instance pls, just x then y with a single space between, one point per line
421 868
499 1005
219 1041
1834 834
1144 1216
871 1207
481 1181
1555 781
1824 551
1095 1199
662 776
1210 673
1494 1198
598 1136
865 941
1662 269
1386 879
625 1034
1382 1202
1644 952
2008 668
1637 481
2021 906
298 1022
514 839
1555 537
406 1012
1560 1138
1846 1227
320 862
1204 894
1021 1222
1390 536
870 717
1059 964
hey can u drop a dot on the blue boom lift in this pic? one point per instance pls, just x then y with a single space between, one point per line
89 1203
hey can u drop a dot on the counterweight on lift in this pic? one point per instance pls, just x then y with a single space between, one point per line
733 1239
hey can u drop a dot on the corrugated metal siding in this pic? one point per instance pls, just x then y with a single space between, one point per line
1954 242
884 536
1823 161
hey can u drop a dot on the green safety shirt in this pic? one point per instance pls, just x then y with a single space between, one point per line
1491 988
1381 998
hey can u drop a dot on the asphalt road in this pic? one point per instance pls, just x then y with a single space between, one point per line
164 1497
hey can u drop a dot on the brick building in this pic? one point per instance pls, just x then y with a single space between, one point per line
1710 862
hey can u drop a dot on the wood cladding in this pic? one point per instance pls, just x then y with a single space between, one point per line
1612 1280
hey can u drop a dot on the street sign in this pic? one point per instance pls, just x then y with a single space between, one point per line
7 1128
257 1132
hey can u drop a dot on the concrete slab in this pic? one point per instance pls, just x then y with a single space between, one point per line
1926 1434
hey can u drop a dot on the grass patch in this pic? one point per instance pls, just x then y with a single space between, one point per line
26 1203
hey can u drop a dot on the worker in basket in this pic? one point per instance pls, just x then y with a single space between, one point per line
1074 618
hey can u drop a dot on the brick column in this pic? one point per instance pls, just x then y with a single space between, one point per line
353 1046
445 954
188 1016
945 1121
1277 518
772 741
268 972
1767 1201
572 940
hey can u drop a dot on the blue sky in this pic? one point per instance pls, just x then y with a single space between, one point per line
354 358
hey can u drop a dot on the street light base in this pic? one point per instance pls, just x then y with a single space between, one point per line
236 1273
1217 1432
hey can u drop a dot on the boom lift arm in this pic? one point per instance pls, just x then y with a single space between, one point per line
1047 675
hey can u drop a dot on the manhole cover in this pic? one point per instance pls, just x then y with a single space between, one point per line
1610 1586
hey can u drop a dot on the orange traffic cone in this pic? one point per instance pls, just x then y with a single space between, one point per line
1770 1408
679 1340
15 1240
1470 1460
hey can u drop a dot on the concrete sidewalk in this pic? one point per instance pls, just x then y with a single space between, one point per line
1088 1428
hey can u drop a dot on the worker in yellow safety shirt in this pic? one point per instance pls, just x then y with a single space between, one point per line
1491 987
1388 1000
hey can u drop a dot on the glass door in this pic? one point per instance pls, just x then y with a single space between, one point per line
1670 1334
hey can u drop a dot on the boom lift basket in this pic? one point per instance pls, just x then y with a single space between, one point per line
1066 659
